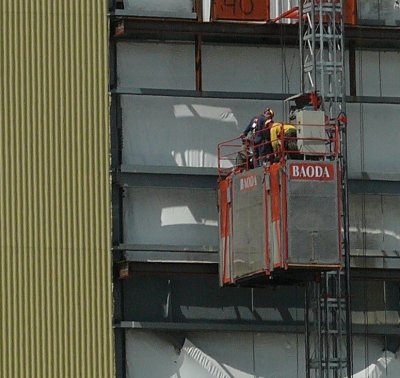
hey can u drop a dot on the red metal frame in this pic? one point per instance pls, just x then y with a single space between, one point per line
267 251
285 221
292 13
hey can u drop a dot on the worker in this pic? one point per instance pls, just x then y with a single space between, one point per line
259 127
289 137
244 158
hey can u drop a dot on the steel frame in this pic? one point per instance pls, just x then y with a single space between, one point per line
378 330
270 33
328 306
242 95
321 33
325 316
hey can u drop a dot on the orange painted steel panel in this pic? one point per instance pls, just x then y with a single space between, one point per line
241 10
224 186
224 228
350 12
285 220
267 252
275 193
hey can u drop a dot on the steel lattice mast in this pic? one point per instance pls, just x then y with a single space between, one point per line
328 307
322 53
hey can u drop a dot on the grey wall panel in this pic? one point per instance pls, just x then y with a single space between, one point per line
381 124
382 12
373 138
378 73
156 65
170 217
150 355
347 71
371 223
177 131
368 10
236 355
354 140
391 224
200 299
253 69
173 8
390 72
368 73
357 224
250 69
375 303
374 225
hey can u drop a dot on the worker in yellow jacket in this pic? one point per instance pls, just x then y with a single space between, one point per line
287 133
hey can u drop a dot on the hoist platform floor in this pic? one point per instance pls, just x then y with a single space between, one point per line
278 278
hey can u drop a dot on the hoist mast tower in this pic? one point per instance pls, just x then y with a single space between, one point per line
328 307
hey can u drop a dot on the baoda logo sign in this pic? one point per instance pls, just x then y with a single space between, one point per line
306 171
248 183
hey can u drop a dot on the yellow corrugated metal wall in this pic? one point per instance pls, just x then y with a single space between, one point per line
55 265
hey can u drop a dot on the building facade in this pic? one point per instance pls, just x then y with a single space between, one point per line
185 78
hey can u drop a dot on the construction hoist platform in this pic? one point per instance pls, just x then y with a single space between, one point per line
283 216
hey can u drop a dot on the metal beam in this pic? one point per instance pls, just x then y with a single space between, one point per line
268 33
206 178
199 94
174 268
373 100
145 260
166 169
177 254
132 91
156 13
172 257
210 31
167 248
360 186
212 326
167 177
375 274
238 327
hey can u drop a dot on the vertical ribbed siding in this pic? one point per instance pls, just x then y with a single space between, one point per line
55 272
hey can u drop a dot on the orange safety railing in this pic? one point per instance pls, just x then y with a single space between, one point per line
241 154
234 155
